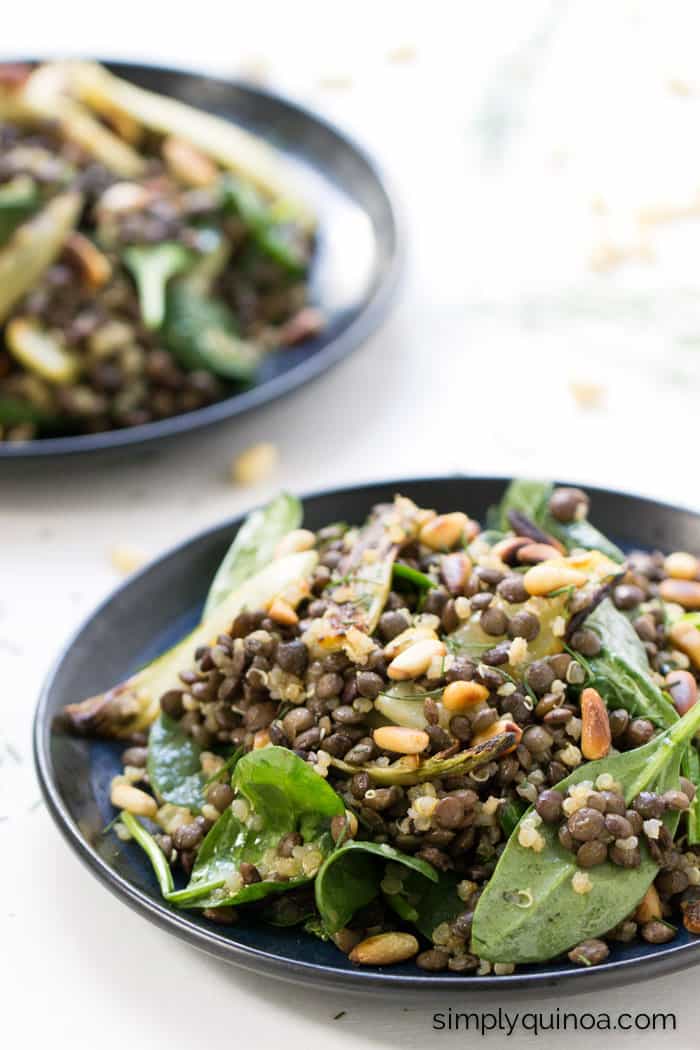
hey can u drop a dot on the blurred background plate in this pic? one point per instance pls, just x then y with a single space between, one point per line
155 609
355 267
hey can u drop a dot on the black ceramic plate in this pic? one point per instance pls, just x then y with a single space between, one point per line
355 268
153 610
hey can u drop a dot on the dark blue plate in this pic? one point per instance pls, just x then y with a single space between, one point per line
356 265
156 608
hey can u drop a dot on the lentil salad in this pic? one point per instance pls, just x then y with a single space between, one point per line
355 741
150 254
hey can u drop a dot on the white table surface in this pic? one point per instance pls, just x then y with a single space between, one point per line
524 139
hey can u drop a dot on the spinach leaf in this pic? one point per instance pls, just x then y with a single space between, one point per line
435 902
19 198
254 546
509 815
285 795
529 910
350 878
413 576
621 671
531 498
160 866
174 767
271 237
527 496
690 767
201 332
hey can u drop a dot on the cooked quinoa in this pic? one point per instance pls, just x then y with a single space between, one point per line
443 680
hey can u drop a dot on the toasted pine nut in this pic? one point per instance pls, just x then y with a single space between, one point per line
384 949
133 800
294 542
691 917
649 906
682 566
683 689
124 197
282 612
686 637
415 661
455 570
95 267
544 578
401 740
261 739
595 726
444 532
458 696
507 549
406 638
503 725
682 592
534 553
187 163
255 463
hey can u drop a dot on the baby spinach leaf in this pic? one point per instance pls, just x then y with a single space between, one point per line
509 929
413 576
621 672
174 767
531 498
618 635
435 902
525 495
201 332
160 865
690 767
285 795
254 546
509 815
350 878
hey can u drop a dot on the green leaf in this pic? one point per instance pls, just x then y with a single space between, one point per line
621 672
271 237
254 546
19 198
510 813
174 767
524 495
350 878
531 498
557 917
413 576
436 902
285 795
201 333
148 844
152 266
582 534
618 635
690 767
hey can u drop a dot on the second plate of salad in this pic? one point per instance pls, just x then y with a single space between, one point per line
174 250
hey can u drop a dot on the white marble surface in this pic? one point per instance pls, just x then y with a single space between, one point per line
525 140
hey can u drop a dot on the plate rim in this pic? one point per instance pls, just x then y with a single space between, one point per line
373 314
668 959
